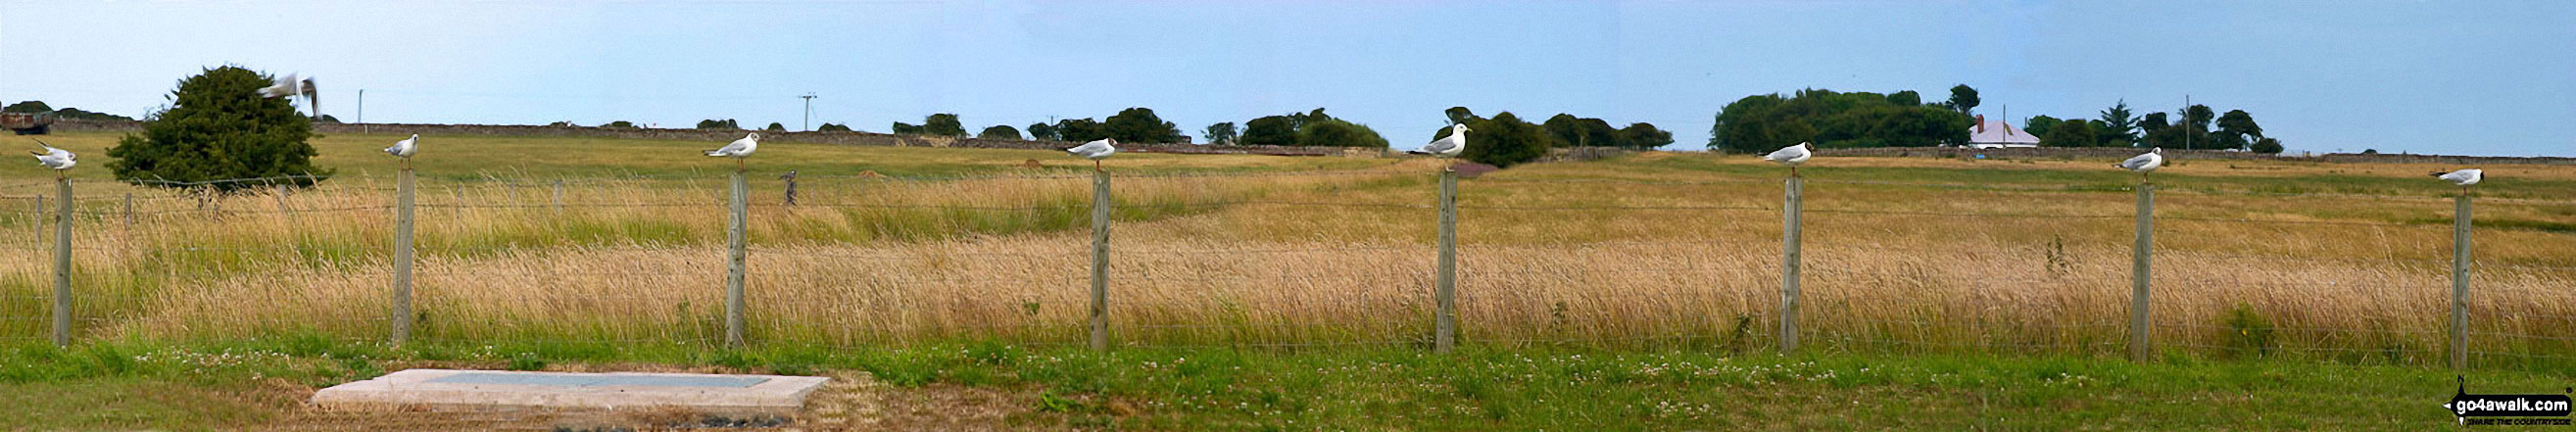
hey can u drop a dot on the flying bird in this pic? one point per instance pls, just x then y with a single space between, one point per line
2142 163
1095 150
286 85
1448 146
404 148
1792 156
55 158
2464 178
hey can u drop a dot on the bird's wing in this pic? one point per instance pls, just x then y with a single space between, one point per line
2135 162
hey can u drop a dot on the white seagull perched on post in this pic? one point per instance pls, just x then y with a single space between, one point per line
738 149
1449 146
1095 150
55 158
1792 156
2142 163
404 149
2464 178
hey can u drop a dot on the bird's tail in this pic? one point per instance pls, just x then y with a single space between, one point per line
715 153
2439 173
1419 152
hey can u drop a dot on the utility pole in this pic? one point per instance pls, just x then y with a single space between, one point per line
362 111
809 111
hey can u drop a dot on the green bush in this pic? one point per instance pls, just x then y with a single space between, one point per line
218 127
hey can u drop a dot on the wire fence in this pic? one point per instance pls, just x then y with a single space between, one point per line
1288 260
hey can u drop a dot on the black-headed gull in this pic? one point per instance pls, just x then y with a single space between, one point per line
2462 177
1095 150
286 85
404 148
739 149
1448 146
55 158
2142 163
1792 156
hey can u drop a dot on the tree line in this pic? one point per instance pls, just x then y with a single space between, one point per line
1830 119
2116 127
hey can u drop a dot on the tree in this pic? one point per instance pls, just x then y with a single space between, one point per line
2237 130
943 124
1220 133
1459 114
2069 133
28 107
775 127
619 124
1000 132
2118 128
1044 132
1336 134
1080 130
1905 98
1270 130
328 119
1964 99
832 127
1140 125
2195 126
1502 141
2268 146
2039 125
1644 136
1762 123
218 127
714 124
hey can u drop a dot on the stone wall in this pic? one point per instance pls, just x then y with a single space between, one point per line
834 138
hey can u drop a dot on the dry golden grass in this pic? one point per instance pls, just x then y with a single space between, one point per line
1659 249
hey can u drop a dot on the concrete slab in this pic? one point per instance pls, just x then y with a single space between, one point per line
733 395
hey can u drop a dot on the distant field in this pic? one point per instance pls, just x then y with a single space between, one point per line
2347 262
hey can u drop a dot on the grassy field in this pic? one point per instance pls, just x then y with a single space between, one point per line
260 385
1275 293
1664 250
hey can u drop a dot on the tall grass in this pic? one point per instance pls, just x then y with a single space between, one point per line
1902 255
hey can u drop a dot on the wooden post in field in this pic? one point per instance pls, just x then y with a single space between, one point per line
558 200
2142 257
280 190
791 186
735 236
1789 264
1100 260
39 213
63 262
402 314
2460 281
129 211
1446 323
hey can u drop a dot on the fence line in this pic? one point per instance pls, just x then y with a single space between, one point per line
1453 312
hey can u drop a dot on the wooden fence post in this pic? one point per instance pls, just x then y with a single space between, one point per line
2142 259
1789 264
2460 281
1100 204
791 186
402 314
735 237
558 197
1446 336
63 262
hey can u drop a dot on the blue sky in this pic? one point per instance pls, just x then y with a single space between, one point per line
2485 78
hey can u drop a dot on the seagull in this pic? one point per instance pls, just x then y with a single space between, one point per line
1095 150
2464 178
1448 146
2149 161
404 149
739 148
55 158
1792 156
286 85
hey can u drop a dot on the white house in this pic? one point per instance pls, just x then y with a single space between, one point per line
1999 134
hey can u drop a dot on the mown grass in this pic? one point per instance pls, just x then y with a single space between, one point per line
258 383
